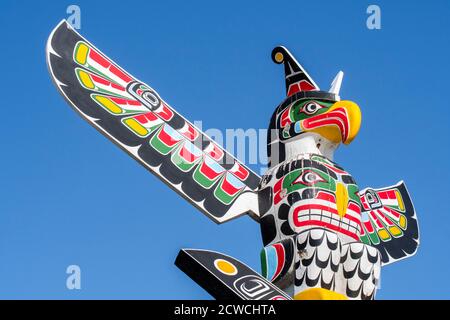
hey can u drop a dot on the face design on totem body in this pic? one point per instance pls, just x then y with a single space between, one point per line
313 192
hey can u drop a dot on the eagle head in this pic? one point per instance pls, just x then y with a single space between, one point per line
309 120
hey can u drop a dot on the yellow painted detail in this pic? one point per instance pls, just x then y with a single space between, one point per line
136 126
225 267
85 79
332 132
395 231
384 234
401 205
402 222
341 199
82 53
319 294
108 104
354 118
279 57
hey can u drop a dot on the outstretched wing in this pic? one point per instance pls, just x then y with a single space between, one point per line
134 117
389 222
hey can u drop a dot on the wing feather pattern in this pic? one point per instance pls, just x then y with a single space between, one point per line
389 222
133 116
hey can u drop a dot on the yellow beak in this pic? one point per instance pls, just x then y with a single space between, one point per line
340 123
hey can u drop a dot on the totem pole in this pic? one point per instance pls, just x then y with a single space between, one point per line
323 237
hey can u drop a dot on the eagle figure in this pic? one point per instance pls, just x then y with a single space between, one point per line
323 237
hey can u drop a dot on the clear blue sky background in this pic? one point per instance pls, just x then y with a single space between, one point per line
69 196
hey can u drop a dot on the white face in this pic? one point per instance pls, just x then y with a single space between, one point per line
308 143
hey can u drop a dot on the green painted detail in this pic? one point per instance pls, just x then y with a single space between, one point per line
181 163
263 263
103 75
396 208
373 236
160 146
222 196
291 183
353 193
298 112
365 239
324 160
202 180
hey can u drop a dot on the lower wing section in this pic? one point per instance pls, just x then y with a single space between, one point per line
225 277
389 222
134 117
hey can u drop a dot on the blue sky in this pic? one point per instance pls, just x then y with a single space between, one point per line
69 196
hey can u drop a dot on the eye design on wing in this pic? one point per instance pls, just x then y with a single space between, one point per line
373 200
309 178
146 96
311 108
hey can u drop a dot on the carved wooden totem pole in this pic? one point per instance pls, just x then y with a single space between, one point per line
323 237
